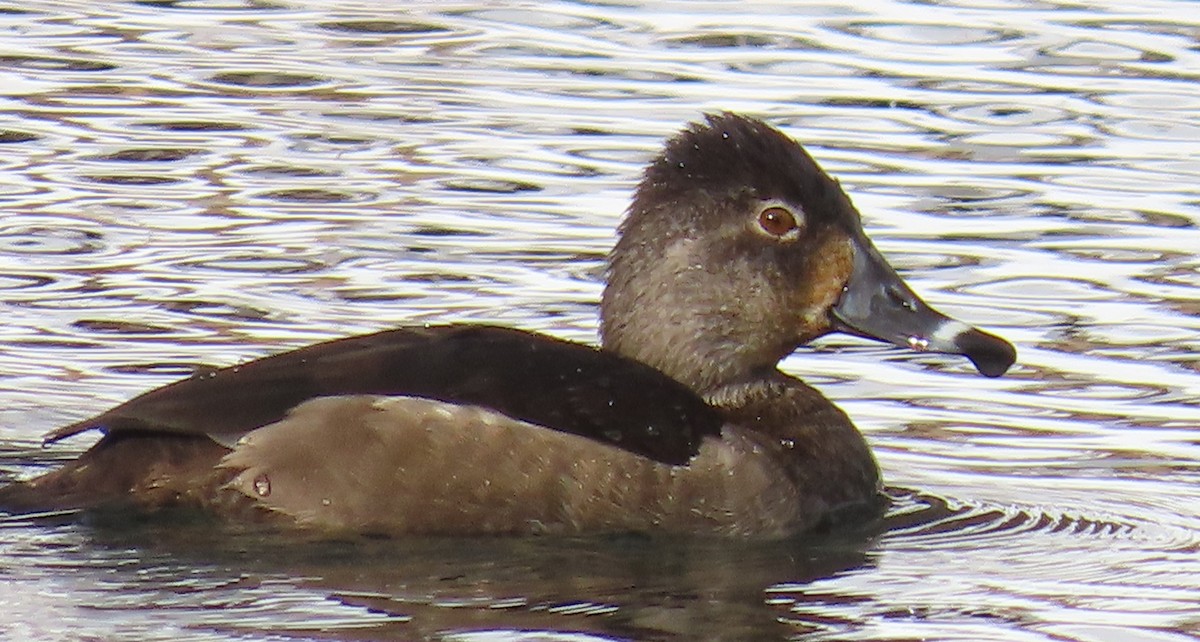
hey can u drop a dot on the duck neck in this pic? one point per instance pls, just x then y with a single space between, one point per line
672 313
703 362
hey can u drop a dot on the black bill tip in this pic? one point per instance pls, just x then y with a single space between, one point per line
991 355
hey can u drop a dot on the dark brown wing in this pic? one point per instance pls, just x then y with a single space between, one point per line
545 381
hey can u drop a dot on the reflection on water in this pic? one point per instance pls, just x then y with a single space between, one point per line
198 183
628 588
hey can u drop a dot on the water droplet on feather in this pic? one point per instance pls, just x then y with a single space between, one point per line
262 485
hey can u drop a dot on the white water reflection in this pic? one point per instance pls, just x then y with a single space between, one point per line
190 183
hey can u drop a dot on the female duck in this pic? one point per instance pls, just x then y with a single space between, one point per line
736 250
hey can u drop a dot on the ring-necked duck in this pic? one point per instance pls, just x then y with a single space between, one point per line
736 250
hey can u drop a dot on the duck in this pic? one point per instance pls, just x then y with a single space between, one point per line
736 250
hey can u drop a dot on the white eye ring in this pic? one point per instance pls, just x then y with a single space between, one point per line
779 221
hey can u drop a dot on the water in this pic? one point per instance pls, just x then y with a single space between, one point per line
188 183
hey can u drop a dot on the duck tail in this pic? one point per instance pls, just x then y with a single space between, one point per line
75 486
49 493
140 469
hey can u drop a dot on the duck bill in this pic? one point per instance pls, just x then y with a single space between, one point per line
876 303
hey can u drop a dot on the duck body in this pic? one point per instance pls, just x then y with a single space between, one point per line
737 249
348 436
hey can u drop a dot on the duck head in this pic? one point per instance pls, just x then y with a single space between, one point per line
738 248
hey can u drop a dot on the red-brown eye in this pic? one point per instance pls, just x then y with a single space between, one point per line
777 221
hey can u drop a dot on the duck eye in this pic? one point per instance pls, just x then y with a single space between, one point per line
777 221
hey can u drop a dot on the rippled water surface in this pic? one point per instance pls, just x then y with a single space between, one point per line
186 183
